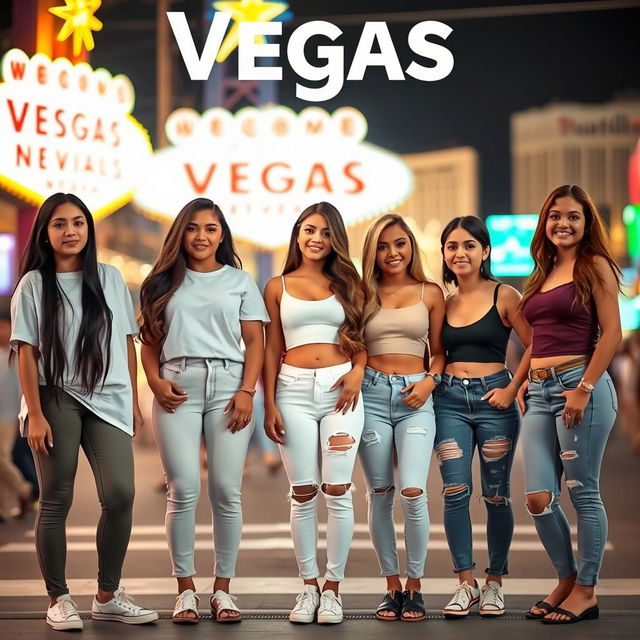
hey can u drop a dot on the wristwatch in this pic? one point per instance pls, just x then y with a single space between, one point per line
437 378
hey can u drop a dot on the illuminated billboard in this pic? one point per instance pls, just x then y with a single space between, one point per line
511 237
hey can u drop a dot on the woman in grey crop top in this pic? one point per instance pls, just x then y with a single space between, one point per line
475 406
197 304
312 395
402 322
570 404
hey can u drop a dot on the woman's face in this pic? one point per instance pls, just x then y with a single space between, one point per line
566 223
202 236
314 237
394 252
463 253
67 230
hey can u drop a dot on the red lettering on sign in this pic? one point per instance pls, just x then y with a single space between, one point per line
358 184
23 156
42 159
266 173
80 132
18 69
314 127
115 134
322 180
41 74
237 177
17 122
57 116
199 187
40 119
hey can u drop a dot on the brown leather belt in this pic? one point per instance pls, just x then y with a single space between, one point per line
539 375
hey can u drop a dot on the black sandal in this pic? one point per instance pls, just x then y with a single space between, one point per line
541 604
412 601
392 601
592 613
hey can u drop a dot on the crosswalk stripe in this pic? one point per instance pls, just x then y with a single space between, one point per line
279 585
271 544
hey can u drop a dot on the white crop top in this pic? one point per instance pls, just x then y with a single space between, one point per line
309 321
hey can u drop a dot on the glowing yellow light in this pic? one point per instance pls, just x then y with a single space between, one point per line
79 21
245 11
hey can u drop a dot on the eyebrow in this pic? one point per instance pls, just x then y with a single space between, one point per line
571 211
308 225
65 219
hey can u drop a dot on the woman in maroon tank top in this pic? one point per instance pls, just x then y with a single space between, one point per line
570 404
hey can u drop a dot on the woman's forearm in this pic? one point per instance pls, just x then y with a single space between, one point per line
29 378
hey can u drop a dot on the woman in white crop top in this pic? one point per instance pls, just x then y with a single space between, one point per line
403 317
312 395
197 305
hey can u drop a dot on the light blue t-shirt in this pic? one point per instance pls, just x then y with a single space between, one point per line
202 318
113 401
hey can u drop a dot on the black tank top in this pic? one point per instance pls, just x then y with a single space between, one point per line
482 341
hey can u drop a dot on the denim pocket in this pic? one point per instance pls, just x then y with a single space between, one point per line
236 370
170 372
366 383
285 379
440 389
614 395
569 379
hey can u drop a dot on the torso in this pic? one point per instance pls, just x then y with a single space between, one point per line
315 355
399 363
467 309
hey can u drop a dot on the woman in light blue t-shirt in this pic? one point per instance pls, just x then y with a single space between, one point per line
73 327
197 306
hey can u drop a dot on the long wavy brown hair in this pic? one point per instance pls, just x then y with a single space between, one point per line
595 242
170 268
346 283
370 269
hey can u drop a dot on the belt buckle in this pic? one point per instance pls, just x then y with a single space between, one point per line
541 374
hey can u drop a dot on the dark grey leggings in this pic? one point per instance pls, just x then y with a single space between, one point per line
110 455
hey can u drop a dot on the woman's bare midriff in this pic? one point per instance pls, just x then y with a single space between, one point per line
474 369
553 361
400 363
315 356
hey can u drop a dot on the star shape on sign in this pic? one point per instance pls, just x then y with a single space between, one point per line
79 21
245 11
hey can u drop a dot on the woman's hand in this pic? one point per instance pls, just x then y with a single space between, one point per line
242 407
521 395
39 434
351 383
573 411
138 421
501 398
273 425
419 392
168 394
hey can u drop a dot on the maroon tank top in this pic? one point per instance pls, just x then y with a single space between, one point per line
561 327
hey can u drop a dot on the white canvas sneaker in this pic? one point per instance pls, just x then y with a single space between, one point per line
63 615
491 599
330 609
463 599
122 609
306 605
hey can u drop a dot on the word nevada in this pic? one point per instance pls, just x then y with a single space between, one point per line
375 49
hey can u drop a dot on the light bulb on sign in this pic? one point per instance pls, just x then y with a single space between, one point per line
79 21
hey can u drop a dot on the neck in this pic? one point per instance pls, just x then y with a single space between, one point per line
468 284
311 266
394 279
68 264
566 256
204 266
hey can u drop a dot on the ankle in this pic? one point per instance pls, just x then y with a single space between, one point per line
393 583
186 583
221 584
104 596
313 583
413 584
331 585
492 578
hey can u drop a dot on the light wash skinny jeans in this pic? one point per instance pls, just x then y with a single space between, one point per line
210 383
389 424
464 421
307 408
551 449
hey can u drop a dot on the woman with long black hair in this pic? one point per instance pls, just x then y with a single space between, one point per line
197 305
73 328
312 395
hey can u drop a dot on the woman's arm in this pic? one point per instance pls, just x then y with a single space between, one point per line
132 363
241 405
168 394
274 349
39 433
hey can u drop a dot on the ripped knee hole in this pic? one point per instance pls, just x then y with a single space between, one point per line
455 489
386 489
537 502
335 489
411 492
448 451
304 493
341 442
496 449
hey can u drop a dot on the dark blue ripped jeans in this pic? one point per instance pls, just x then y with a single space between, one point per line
463 421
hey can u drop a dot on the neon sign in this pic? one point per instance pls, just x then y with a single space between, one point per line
67 127
264 166
79 21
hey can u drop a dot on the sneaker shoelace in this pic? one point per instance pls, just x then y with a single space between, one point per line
187 601
225 601
329 604
462 596
304 601
68 607
492 596
125 600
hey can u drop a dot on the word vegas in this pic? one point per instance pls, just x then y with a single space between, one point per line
375 35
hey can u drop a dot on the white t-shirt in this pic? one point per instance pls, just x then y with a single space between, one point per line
202 318
113 401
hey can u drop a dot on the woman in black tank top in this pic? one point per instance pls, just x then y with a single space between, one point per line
475 405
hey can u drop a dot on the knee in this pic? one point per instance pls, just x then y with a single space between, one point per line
303 493
183 490
119 498
494 450
335 489
340 443
448 450
539 502
496 502
456 494
411 493
225 494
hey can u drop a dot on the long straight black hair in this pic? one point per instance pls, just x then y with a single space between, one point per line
92 350
478 229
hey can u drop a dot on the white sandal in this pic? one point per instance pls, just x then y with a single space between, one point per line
224 602
186 601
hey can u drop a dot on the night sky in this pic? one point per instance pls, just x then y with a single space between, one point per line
502 65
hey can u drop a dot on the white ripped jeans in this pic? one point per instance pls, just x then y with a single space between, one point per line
310 421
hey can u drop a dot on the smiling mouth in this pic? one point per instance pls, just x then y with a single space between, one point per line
201 246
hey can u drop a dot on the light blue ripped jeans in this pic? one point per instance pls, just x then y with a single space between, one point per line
306 404
389 424
464 421
210 383
551 449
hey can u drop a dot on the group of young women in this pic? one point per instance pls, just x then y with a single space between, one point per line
380 364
